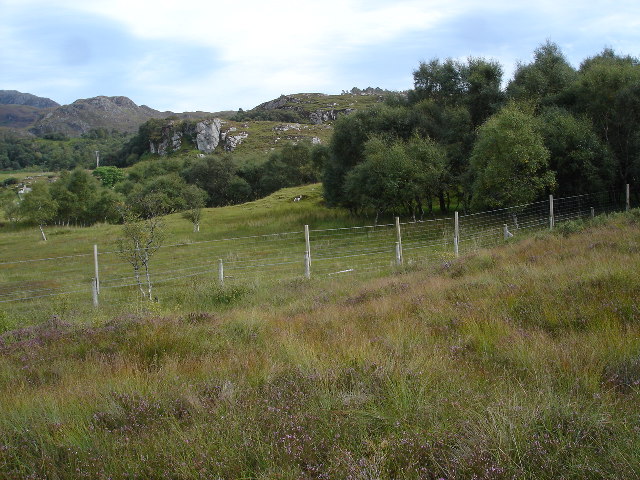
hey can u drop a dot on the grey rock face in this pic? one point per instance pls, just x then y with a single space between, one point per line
208 135
231 142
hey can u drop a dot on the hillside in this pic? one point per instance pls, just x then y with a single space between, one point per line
41 116
314 108
111 113
19 116
13 97
517 362
18 110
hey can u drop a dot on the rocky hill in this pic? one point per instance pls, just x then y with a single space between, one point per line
312 108
13 97
287 118
19 116
112 113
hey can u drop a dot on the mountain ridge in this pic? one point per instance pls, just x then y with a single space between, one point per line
40 116
14 97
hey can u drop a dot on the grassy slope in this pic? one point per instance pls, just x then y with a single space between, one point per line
520 362
275 213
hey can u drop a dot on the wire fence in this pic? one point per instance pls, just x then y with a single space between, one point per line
307 252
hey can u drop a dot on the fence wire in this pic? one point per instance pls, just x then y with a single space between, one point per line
336 251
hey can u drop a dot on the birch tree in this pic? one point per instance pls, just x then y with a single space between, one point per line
141 238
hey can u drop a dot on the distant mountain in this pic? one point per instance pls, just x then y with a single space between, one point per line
112 113
13 97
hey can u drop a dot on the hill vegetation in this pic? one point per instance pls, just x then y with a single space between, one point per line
519 362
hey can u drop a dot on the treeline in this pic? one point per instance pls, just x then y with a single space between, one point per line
459 137
76 198
220 179
56 151
169 184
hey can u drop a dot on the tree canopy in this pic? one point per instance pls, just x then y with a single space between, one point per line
554 128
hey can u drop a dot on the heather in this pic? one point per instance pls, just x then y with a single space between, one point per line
518 362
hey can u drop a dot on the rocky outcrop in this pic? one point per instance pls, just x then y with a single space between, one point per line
208 135
305 106
205 135
323 116
230 142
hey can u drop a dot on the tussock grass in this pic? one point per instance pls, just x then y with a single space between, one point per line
516 362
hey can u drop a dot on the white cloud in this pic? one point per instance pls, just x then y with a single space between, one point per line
254 50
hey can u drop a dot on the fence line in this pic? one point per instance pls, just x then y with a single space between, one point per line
309 252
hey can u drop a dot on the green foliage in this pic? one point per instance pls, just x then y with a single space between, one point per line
214 175
294 164
109 176
546 79
581 161
608 92
350 135
509 160
397 176
195 199
56 152
81 199
10 204
38 206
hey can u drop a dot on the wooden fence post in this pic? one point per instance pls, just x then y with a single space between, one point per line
94 291
220 272
627 198
456 234
552 220
307 253
95 265
399 259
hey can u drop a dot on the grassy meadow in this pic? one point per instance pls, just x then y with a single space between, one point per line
518 362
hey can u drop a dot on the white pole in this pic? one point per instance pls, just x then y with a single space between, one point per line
456 233
220 271
593 212
307 242
94 291
399 242
97 158
95 265
307 265
551 218
398 254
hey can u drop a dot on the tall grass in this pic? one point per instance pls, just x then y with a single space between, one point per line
517 362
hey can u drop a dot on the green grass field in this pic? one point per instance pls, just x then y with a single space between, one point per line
518 362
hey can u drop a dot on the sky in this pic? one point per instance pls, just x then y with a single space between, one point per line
213 55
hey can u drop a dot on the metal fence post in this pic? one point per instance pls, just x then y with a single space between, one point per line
552 220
